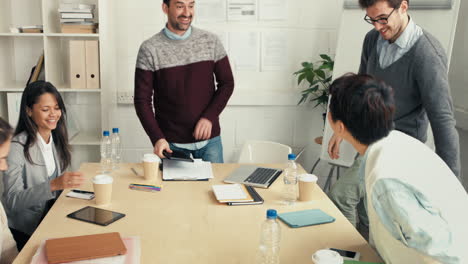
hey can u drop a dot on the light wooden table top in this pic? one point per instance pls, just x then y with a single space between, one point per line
184 223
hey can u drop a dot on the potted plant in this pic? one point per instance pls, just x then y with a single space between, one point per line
318 76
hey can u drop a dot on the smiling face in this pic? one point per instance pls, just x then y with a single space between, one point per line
45 113
396 22
179 15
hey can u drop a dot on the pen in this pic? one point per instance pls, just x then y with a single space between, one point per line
145 185
134 171
80 191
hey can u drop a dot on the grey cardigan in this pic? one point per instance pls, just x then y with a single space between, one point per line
26 186
421 89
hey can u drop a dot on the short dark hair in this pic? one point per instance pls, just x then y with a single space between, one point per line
167 2
364 104
391 3
5 131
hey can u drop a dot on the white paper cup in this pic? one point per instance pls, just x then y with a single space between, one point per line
307 183
102 185
151 166
326 256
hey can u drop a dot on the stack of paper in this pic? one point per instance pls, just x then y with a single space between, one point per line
227 193
174 170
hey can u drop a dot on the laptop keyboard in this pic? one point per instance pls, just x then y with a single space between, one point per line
261 175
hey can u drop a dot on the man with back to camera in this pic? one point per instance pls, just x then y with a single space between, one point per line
416 205
414 63
176 71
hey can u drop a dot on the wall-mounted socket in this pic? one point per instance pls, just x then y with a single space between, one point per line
125 98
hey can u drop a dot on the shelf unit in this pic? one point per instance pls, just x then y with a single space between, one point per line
19 52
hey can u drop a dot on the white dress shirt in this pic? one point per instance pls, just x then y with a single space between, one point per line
48 154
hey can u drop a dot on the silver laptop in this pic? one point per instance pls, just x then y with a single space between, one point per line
254 176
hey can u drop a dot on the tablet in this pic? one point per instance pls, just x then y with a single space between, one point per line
96 216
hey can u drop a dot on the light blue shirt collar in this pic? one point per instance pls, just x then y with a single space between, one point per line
174 36
403 41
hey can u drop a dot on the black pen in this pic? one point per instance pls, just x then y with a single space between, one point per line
80 191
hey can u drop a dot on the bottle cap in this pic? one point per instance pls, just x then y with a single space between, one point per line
115 130
271 214
291 156
105 133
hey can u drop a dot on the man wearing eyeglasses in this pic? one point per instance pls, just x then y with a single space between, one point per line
414 63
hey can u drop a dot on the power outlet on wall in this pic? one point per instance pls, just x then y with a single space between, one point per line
125 98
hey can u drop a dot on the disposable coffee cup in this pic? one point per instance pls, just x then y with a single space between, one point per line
102 185
307 183
326 256
150 166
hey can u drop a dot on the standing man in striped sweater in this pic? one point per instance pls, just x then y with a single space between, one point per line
176 72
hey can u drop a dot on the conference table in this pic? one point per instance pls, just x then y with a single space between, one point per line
184 223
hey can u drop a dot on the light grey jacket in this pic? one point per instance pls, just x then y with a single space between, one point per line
26 186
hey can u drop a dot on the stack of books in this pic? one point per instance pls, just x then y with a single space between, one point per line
77 18
31 29
236 194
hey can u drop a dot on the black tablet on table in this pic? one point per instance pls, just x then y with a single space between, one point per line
96 216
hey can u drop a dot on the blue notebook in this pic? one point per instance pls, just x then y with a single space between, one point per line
306 218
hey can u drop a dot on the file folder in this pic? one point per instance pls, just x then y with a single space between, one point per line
92 64
77 64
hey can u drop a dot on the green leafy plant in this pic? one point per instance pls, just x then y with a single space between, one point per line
318 76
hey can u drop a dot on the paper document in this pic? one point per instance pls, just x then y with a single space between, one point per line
244 50
273 9
180 170
274 51
211 11
242 10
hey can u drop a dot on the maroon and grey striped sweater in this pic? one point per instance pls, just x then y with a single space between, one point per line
178 77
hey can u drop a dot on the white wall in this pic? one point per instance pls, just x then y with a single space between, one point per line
459 69
260 108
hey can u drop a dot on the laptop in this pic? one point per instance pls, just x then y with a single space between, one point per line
254 176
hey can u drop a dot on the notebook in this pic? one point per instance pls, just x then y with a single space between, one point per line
254 176
231 193
257 199
67 249
306 218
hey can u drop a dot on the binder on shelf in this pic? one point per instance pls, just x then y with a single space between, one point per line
13 102
77 64
92 64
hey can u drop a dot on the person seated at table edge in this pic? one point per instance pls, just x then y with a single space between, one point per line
8 250
39 155
416 205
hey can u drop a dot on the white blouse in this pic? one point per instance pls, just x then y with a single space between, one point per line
48 154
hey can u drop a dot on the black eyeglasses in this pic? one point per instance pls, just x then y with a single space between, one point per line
382 20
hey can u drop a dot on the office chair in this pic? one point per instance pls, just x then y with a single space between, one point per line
264 152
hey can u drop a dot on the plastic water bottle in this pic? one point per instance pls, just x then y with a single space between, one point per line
268 250
106 160
116 151
290 180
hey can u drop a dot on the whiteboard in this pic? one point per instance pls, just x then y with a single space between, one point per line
414 4
351 33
